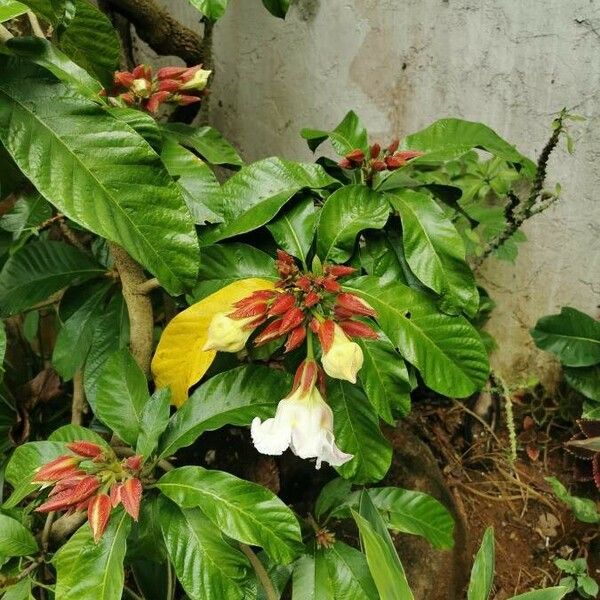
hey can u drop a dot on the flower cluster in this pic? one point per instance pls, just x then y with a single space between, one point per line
92 479
175 85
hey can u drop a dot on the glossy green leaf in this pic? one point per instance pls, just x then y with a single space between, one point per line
586 380
254 195
349 135
75 336
245 511
19 591
142 123
89 571
349 573
385 566
2 348
88 154
146 539
357 432
194 177
76 433
23 464
584 509
332 495
211 9
39 270
482 573
15 538
231 398
154 420
9 9
447 350
206 141
208 567
346 213
572 336
378 257
434 249
278 8
294 228
553 593
384 378
311 578
45 54
26 215
121 395
111 333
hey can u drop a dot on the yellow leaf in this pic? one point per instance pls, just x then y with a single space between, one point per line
179 360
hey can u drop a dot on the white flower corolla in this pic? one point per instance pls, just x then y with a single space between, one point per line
304 423
226 334
344 358
198 82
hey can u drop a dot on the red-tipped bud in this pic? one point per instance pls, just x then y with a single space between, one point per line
156 100
98 514
260 295
115 494
326 332
295 339
86 449
59 468
408 154
356 156
169 85
131 496
311 299
282 304
303 283
185 99
355 305
306 375
71 496
270 332
254 309
170 72
134 463
345 164
339 270
65 484
378 165
341 314
285 258
358 329
128 98
124 78
375 150
291 319
331 285
142 72
394 162
393 146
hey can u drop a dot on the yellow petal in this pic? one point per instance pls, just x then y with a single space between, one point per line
179 360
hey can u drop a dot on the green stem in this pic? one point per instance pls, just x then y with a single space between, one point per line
261 574
309 345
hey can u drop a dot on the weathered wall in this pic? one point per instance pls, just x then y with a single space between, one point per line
404 63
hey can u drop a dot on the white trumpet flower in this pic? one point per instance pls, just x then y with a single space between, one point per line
344 358
226 334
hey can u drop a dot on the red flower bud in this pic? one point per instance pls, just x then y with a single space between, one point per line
295 339
314 325
326 333
65 484
142 72
303 283
131 496
185 99
86 449
378 165
270 332
306 375
123 78
128 98
71 496
393 146
331 285
408 154
356 155
355 305
375 150
115 494
156 100
341 314
254 309
311 299
282 304
291 319
169 85
59 468
394 162
339 270
358 329
134 463
98 513
345 164
170 72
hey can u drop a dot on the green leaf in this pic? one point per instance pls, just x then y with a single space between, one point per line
356 429
211 9
349 573
254 195
223 264
141 122
482 574
584 509
89 154
234 397
92 42
347 136
23 464
294 229
245 511
19 591
89 571
206 141
121 395
208 567
39 270
2 348
446 349
344 215
278 8
332 495
153 422
448 139
553 593
195 179
26 215
11 9
75 336
15 539
76 433
31 324
385 566
586 380
311 578
111 333
434 249
43 53
572 336
384 378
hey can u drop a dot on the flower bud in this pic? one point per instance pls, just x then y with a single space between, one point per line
356 156
282 304
169 85
142 72
59 468
98 513
71 496
408 154
195 78
339 270
394 162
378 165
131 496
170 72
226 334
345 164
295 338
311 299
393 146
344 358
134 463
124 78
141 88
86 449
355 305
375 150
358 329
184 100
156 100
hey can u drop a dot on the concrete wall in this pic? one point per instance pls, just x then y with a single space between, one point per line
401 64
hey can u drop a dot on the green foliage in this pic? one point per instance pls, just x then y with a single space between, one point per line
482 574
15 538
584 509
577 578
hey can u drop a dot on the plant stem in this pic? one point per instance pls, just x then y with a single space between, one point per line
35 25
309 344
78 402
5 34
46 532
261 573
139 306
